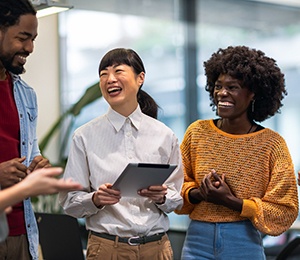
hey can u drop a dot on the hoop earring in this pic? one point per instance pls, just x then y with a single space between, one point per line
252 106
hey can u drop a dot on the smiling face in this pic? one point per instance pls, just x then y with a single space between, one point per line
16 43
119 85
231 98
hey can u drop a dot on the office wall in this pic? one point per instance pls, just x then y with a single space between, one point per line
42 73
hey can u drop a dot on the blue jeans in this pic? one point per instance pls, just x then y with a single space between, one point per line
223 241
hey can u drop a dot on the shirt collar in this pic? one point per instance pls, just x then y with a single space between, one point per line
117 120
14 76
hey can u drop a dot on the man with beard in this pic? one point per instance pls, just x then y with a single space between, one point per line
19 152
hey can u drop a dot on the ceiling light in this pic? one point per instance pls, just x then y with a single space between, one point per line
48 7
292 3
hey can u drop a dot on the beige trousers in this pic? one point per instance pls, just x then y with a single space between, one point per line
101 248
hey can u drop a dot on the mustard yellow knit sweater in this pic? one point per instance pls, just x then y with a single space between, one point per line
258 169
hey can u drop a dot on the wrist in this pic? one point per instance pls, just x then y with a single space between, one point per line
195 196
99 206
161 202
25 190
235 204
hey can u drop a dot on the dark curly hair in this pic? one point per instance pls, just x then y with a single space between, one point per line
132 59
257 72
11 10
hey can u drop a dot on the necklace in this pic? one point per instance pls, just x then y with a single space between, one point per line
250 129
220 124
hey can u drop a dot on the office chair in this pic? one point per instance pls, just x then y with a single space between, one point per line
59 237
290 251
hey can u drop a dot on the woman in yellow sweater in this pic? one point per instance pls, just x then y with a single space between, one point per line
239 176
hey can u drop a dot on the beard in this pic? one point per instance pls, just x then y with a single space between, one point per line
7 62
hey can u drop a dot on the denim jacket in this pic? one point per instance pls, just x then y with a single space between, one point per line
26 103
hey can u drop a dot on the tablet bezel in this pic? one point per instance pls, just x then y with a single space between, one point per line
137 176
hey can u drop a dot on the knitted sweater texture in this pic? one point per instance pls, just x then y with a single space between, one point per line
258 169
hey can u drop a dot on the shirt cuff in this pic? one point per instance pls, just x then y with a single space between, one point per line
89 205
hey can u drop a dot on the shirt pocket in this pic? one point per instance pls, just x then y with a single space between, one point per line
31 113
30 125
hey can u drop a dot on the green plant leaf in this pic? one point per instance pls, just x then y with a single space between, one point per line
91 94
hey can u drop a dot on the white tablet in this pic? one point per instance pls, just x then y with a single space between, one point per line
137 176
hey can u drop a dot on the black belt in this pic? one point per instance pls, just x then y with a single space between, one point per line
133 241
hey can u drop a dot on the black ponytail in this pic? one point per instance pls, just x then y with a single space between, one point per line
147 104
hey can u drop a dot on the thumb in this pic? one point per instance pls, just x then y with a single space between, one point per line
22 159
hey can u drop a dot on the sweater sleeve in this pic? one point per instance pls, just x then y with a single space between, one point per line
174 182
189 179
276 211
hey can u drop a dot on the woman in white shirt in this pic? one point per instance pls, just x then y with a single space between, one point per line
123 227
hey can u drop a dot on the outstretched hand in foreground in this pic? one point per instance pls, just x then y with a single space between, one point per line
39 182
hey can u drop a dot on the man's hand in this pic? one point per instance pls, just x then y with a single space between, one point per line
38 162
12 172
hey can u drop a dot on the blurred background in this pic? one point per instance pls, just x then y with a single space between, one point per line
174 38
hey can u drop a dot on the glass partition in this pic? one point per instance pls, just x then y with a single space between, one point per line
160 38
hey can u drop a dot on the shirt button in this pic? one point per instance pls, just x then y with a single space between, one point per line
23 143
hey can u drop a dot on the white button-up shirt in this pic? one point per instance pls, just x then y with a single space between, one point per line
100 151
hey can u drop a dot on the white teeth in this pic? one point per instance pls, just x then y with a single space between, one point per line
22 57
113 89
225 104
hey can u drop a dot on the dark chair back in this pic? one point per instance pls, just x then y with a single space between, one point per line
291 250
59 237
